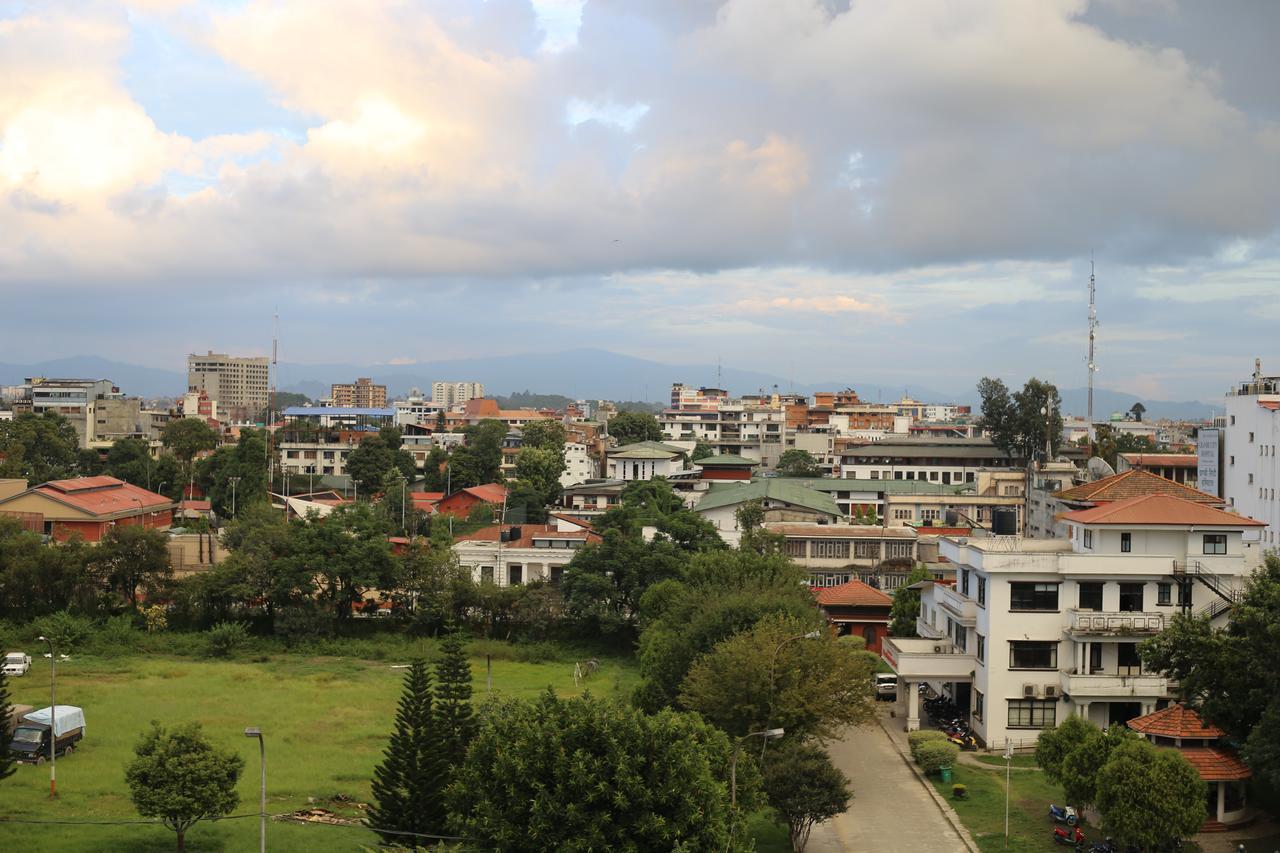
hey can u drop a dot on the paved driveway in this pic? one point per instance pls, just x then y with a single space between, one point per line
891 811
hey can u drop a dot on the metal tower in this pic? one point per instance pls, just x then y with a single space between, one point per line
1093 326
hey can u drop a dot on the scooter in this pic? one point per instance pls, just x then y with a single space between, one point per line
1064 814
1072 837
965 741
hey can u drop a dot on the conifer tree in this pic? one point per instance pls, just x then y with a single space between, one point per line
7 764
407 785
453 697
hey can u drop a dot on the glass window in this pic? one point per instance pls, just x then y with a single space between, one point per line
515 575
1032 713
486 573
964 582
1095 657
1131 597
1033 596
982 591
978 704
1127 658
797 548
1126 543
1215 543
1088 538
1033 654
1185 595
1164 593
1090 595
981 648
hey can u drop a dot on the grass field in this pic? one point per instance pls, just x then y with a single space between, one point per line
326 722
1024 761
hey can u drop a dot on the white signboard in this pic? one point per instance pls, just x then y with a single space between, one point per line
1207 464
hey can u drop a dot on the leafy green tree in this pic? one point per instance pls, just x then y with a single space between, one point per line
541 469
454 716
1055 744
188 437
1081 766
479 460
1109 443
346 553
1230 673
38 579
429 584
376 457
702 450
1137 410
179 777
396 505
750 519
8 766
434 476
240 468
131 556
1149 798
1017 422
89 463
129 459
906 604
586 774
798 463
38 448
526 504
653 503
765 676
604 582
631 427
408 784
804 788
544 435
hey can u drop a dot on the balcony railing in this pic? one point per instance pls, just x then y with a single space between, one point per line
1115 622
1120 681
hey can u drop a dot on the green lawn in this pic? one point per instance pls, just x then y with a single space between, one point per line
326 721
1016 761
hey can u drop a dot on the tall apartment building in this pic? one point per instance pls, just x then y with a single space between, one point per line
238 384
361 394
1249 472
74 399
455 393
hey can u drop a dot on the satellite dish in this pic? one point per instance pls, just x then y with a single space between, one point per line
1098 468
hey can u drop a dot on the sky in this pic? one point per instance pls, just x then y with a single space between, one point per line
877 191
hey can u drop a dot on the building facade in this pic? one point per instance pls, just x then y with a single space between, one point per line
360 394
1249 471
510 555
455 393
240 385
77 400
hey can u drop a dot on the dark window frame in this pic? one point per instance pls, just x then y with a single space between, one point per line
1033 713
1025 647
1127 593
1041 595
1215 544
1164 594
1126 543
1089 586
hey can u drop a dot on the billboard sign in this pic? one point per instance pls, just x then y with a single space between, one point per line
1208 461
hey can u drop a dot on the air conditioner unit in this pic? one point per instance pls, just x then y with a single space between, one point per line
939 649
1051 691
1029 691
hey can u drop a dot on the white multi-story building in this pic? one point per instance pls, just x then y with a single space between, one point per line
579 466
1036 630
1249 470
514 554
755 432
645 460
417 410
937 460
449 394
239 384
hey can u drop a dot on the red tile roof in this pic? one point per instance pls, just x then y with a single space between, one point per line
102 496
1216 763
1130 484
854 593
494 493
1176 721
1167 460
1159 510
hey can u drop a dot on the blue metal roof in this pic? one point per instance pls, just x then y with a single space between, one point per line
336 411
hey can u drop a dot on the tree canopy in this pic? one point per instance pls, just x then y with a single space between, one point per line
479 460
376 457
38 448
1149 797
804 788
906 604
408 784
798 463
187 437
1017 422
631 427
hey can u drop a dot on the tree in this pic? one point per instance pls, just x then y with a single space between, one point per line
906 604
8 766
429 583
750 519
187 437
544 435
181 778
454 716
479 460
1229 673
1081 765
1149 797
1137 410
1055 744
526 504
1017 422
587 774
130 556
236 471
604 582
434 477
804 788
702 450
763 677
89 463
541 468
798 463
376 457
408 784
38 448
1109 443
345 553
631 427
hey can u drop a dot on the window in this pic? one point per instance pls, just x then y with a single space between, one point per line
1033 654
557 574
1164 594
903 514
1215 543
515 575
486 573
1033 596
964 582
1233 420
982 591
1251 438
1032 713
797 548
1088 538
977 704
1184 595
1250 479
1127 659
929 514
1095 657
1090 595
1131 597
865 550
898 549
1233 460
1126 543
980 648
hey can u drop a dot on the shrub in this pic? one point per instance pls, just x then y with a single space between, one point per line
118 634
959 791
224 638
157 618
916 739
933 755
537 652
68 632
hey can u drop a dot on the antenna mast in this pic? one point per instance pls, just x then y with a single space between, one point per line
1093 325
275 372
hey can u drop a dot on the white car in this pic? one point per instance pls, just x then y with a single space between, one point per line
16 663
886 685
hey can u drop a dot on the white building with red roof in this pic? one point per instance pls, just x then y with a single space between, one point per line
513 554
88 506
1035 630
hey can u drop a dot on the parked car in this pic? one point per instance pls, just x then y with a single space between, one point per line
31 736
16 663
886 685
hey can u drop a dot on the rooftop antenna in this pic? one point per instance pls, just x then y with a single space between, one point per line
1093 326
719 375
275 373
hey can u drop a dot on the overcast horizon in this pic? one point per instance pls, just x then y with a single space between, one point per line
810 188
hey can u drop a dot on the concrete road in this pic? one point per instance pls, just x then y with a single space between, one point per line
891 811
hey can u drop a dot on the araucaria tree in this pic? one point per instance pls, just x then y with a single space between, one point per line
6 729
181 778
407 784
453 698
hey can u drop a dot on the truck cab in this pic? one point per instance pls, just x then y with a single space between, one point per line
30 742
16 663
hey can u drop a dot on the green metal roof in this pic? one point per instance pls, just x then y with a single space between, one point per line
726 460
644 450
778 489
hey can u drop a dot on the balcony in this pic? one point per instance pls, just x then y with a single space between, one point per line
1115 684
961 608
1112 623
915 659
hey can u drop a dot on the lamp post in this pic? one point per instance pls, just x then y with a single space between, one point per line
768 735
254 731
53 719
404 481
1008 762
233 481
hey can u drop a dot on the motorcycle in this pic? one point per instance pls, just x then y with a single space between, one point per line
1063 814
1069 836
966 742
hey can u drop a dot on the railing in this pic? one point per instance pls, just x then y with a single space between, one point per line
1228 596
1116 622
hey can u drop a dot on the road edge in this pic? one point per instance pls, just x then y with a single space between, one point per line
943 806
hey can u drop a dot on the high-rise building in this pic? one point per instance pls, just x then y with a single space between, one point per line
74 399
1247 467
455 393
238 384
361 394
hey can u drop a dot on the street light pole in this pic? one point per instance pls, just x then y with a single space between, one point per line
768 735
254 731
1008 762
233 481
53 720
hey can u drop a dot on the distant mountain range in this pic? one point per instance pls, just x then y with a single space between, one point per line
580 374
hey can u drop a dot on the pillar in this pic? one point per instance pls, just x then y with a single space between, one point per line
1083 710
1222 800
913 706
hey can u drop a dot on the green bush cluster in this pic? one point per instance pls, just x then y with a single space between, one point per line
918 738
933 755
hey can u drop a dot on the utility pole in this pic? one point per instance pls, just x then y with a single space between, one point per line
1093 326
233 481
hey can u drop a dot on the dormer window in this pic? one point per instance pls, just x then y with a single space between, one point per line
1126 543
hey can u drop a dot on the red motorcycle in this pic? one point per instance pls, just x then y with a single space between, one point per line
1069 835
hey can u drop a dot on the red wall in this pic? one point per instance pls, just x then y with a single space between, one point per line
723 474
